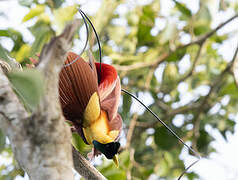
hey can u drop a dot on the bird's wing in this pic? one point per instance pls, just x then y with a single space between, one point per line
77 83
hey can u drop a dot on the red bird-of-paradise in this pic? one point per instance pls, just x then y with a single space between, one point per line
89 96
92 106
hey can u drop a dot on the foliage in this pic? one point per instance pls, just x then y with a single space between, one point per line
150 59
28 86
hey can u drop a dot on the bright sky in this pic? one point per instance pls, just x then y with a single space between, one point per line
221 165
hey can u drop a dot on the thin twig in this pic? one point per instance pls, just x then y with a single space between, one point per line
131 130
235 66
132 160
160 59
190 73
209 34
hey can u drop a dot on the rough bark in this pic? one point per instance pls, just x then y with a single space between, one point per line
84 168
40 141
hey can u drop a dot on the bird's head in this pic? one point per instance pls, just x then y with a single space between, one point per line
110 150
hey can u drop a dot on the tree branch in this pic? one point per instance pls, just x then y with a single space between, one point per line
84 168
235 66
131 130
209 34
216 83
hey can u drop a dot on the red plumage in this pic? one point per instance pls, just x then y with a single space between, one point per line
77 83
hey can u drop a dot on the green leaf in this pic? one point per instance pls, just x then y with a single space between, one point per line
124 159
204 14
109 170
192 176
24 52
230 89
201 29
40 41
3 55
183 9
4 33
78 142
34 12
115 175
2 140
146 23
55 3
42 32
169 77
16 36
202 21
28 85
163 139
177 55
219 38
203 141
163 168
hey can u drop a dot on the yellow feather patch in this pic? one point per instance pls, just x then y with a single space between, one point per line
92 110
99 131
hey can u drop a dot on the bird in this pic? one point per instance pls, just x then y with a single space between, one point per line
89 94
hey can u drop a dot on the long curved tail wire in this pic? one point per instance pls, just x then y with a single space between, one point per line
169 129
86 43
99 45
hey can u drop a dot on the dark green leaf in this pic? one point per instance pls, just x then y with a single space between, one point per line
191 175
146 23
203 141
163 139
177 55
57 3
201 29
2 140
